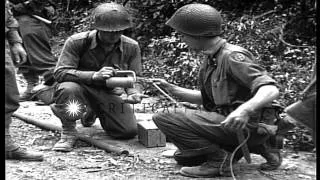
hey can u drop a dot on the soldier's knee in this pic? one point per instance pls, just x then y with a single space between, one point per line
69 88
159 119
125 134
130 133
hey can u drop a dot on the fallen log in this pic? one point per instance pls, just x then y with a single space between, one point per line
52 127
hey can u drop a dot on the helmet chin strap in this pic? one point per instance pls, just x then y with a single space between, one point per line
104 43
212 45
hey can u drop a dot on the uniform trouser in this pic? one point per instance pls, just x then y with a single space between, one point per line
11 94
36 40
196 130
116 117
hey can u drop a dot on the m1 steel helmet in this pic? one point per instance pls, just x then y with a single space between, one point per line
111 17
196 20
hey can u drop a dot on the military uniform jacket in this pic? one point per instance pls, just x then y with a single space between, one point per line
11 26
230 77
82 55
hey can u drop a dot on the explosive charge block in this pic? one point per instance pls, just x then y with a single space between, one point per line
149 135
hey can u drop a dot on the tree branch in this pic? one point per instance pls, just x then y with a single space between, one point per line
286 43
68 3
80 135
125 2
263 14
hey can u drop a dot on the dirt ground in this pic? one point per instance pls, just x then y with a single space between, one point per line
87 162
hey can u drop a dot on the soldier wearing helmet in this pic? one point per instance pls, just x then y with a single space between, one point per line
86 61
234 92
13 44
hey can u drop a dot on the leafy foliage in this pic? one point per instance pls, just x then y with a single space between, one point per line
173 60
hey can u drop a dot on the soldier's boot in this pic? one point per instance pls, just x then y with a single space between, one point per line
89 118
275 143
273 158
67 140
195 157
189 159
15 152
32 81
215 166
285 124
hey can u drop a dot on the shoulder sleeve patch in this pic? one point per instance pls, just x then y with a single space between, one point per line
238 57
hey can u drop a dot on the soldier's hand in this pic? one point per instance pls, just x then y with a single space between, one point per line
103 74
236 120
18 53
135 98
161 82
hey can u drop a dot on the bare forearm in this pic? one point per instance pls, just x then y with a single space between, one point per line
264 96
73 76
13 37
188 95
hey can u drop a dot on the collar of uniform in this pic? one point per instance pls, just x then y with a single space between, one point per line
94 43
213 51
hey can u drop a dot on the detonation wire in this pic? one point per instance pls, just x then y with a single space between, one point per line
234 152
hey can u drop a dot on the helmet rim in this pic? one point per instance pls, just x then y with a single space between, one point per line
111 17
196 20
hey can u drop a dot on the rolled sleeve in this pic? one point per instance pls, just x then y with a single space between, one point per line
13 37
248 73
135 65
135 59
12 26
68 63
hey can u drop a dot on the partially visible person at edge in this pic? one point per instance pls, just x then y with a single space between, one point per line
86 61
13 43
36 36
304 110
234 92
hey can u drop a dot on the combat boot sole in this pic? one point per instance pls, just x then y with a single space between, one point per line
274 161
21 154
208 172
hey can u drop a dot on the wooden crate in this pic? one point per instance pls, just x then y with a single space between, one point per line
149 135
